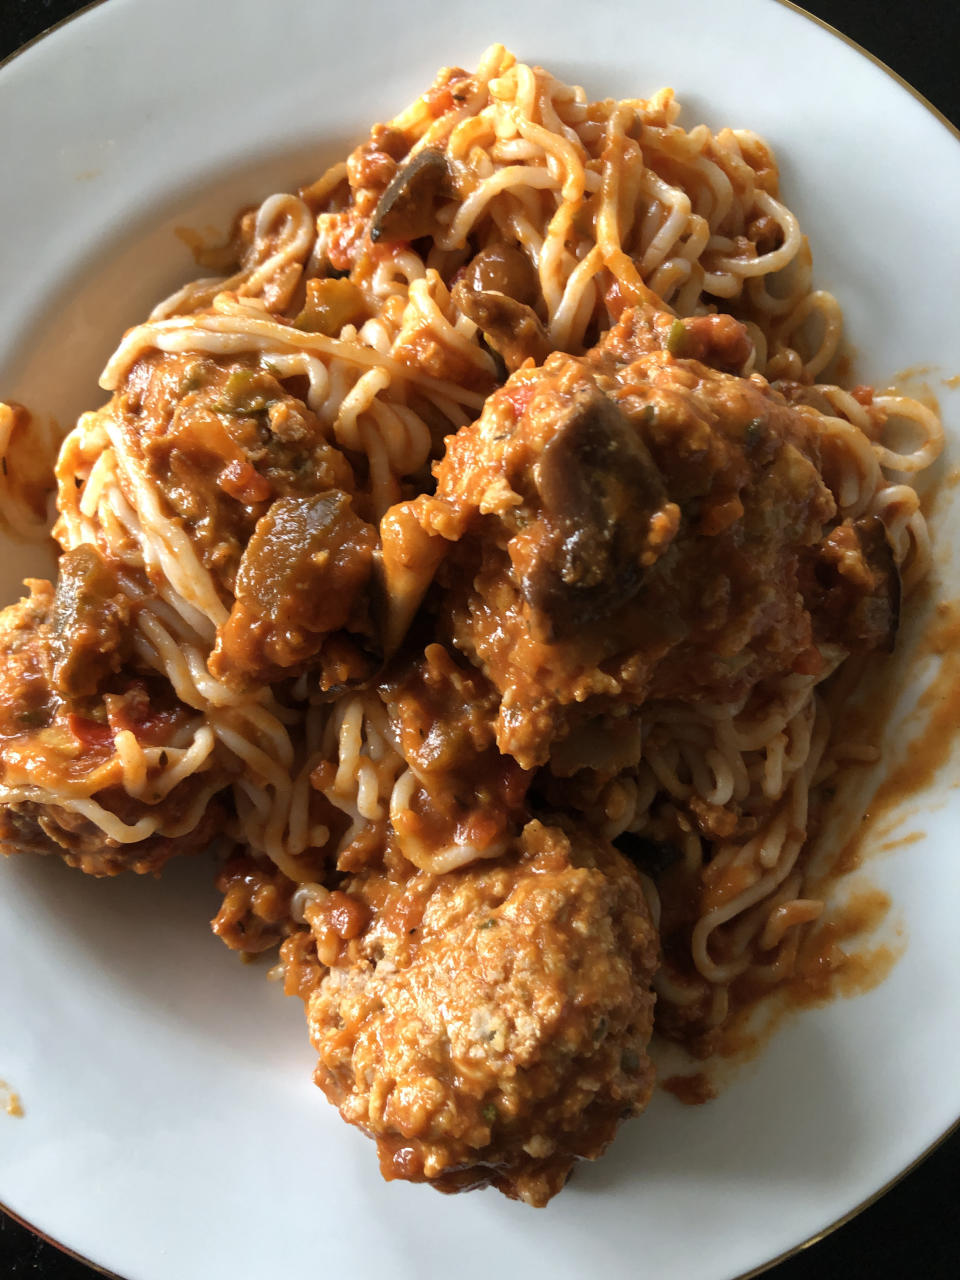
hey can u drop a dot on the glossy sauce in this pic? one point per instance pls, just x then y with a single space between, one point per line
837 957
691 1090
832 961
929 748
10 1100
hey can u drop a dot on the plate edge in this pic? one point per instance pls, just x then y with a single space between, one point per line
842 1221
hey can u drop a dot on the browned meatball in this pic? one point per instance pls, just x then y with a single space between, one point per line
268 503
67 696
490 1026
47 828
639 523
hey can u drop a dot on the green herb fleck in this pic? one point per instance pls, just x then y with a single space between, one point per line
753 432
243 392
32 719
488 923
677 338
193 379
630 1061
490 1113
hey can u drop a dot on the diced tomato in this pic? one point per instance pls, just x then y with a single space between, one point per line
152 726
519 395
239 479
439 100
91 734
809 662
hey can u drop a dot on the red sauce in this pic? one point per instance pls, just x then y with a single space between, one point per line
827 966
911 373
836 956
10 1100
901 842
691 1090
927 750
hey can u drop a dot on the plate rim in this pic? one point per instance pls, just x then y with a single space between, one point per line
832 1227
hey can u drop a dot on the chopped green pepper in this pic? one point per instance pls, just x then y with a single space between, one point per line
329 305
193 379
244 392
677 338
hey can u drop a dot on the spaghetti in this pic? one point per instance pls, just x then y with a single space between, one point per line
368 672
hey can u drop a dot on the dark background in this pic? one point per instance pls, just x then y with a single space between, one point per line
914 1230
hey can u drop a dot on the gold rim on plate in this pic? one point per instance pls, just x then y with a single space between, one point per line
948 1133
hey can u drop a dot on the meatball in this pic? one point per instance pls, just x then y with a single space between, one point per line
221 440
639 523
48 828
99 763
489 1027
269 504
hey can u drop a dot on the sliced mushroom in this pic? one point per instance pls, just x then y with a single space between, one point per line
856 592
511 328
407 208
303 573
602 495
502 268
90 622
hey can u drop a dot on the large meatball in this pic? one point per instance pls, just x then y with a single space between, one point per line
490 1026
95 756
251 476
640 523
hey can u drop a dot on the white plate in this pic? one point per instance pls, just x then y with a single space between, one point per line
171 1130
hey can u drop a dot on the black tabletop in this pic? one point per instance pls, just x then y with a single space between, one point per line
914 1230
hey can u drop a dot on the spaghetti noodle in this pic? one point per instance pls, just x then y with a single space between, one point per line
600 331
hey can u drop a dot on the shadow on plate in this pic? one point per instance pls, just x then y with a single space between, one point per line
767 1123
146 943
